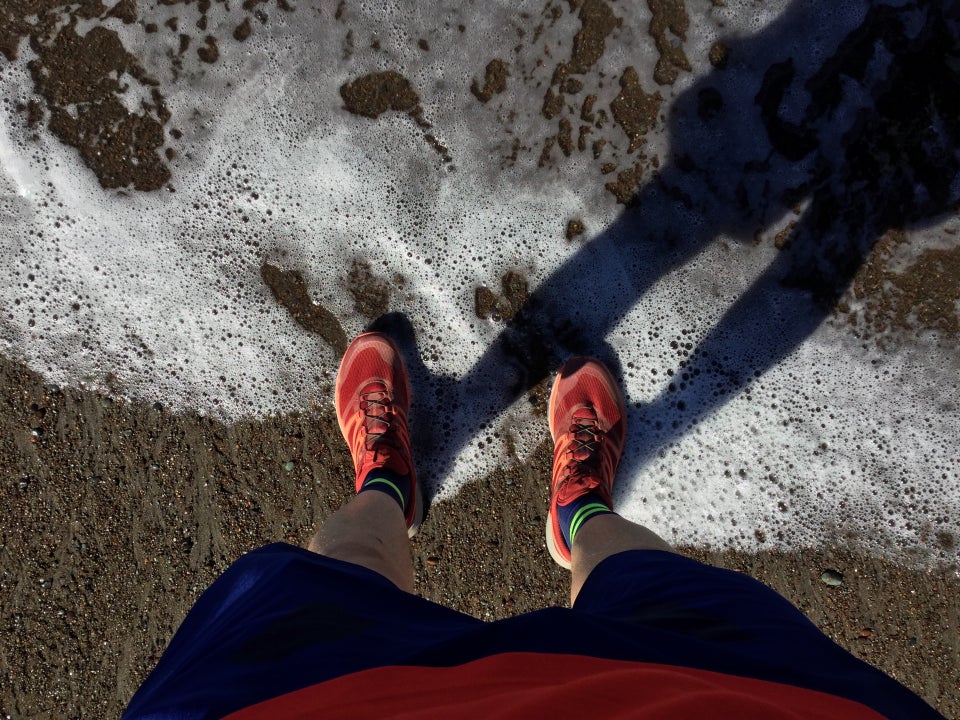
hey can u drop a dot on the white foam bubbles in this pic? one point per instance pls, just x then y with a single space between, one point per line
159 295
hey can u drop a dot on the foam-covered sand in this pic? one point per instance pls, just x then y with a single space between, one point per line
159 296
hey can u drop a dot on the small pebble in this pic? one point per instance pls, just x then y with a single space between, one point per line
289 466
866 632
432 560
831 578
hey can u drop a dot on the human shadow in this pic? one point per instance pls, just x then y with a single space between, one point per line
857 142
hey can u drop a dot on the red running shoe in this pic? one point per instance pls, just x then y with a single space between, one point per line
372 399
588 425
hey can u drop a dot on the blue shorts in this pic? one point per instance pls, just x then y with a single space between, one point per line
282 618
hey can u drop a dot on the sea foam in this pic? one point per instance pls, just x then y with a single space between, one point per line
158 296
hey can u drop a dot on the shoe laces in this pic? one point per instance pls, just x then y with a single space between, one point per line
586 464
376 404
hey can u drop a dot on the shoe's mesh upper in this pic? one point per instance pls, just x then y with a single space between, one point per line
372 402
588 423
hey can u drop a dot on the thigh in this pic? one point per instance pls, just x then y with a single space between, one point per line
675 593
281 618
671 609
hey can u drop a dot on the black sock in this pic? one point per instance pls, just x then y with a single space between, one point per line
394 485
573 515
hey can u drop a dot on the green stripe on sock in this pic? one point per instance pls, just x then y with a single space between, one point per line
582 514
392 486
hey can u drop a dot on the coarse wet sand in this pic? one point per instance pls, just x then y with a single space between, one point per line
118 514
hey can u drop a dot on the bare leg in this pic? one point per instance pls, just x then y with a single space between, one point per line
603 536
370 531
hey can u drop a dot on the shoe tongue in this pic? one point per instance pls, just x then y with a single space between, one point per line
373 387
585 413
582 454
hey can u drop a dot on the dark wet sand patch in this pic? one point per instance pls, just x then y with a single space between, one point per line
668 28
924 296
373 94
371 293
79 79
635 110
494 80
502 306
575 228
290 290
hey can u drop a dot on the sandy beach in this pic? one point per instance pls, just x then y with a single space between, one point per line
505 190
119 514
